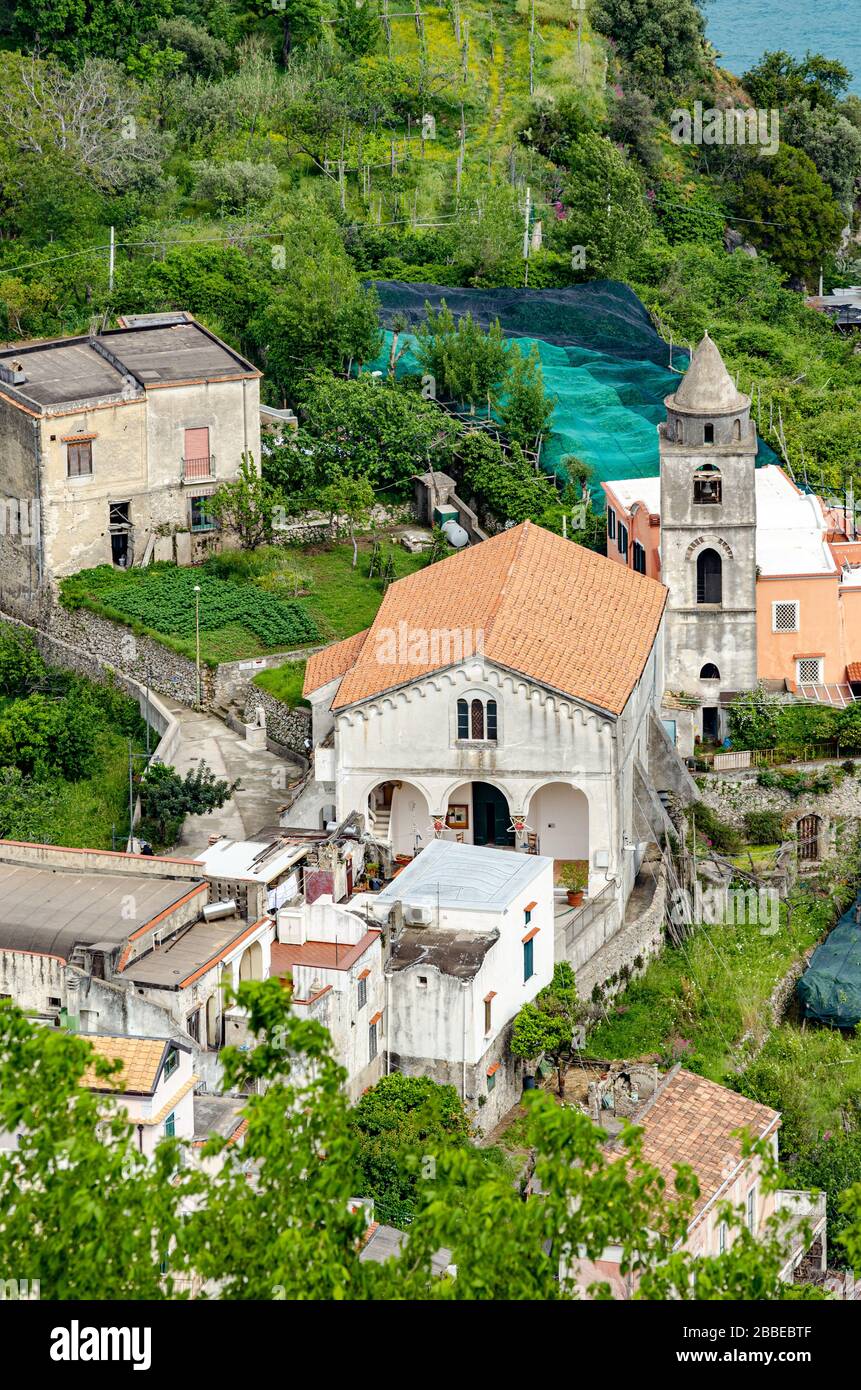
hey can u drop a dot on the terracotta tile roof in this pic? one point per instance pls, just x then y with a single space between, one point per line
542 606
323 953
853 671
141 1059
691 1121
332 661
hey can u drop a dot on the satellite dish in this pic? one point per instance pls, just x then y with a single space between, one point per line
455 534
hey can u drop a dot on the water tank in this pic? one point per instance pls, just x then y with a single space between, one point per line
455 535
213 911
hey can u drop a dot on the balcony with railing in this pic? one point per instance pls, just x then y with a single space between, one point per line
199 470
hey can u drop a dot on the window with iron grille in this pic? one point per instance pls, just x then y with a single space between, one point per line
80 459
611 524
477 719
639 558
372 1042
810 670
363 993
784 615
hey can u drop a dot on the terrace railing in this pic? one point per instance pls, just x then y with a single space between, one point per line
199 470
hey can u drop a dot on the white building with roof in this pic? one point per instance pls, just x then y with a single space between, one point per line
506 696
472 941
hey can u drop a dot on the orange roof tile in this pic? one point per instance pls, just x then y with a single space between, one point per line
853 671
691 1121
141 1059
332 662
537 604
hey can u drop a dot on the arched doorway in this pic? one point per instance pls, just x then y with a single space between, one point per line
808 829
491 816
251 964
478 814
709 577
558 815
398 816
214 1029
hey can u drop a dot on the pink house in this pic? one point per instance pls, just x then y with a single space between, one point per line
808 579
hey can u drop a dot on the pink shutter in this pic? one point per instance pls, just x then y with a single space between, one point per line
197 453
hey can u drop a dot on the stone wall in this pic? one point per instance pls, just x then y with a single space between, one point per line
731 797
140 658
289 727
314 528
640 939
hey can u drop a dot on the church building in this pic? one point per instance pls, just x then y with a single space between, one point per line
506 696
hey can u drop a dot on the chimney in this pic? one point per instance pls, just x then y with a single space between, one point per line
12 373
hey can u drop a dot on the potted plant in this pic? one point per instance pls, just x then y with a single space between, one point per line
574 878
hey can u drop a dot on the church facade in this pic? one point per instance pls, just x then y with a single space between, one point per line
507 696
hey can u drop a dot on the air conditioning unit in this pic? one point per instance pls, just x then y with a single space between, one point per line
417 916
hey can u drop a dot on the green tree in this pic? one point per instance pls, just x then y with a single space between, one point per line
27 807
778 80
527 410
352 498
662 40
607 218
507 487
358 26
369 429
246 505
76 29
47 737
21 666
545 1026
322 316
799 220
400 1117
167 798
82 1211
831 1166
467 364
76 1170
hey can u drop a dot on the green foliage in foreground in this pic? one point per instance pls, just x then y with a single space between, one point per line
84 1213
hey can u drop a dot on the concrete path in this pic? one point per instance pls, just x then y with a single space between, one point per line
264 779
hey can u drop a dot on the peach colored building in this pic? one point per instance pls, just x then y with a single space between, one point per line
689 1120
808 583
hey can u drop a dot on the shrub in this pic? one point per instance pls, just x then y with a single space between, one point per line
763 827
722 836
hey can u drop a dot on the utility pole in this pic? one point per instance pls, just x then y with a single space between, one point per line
197 638
526 234
111 262
531 47
131 800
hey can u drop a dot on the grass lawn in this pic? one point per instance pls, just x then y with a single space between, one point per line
342 601
697 1002
243 610
284 682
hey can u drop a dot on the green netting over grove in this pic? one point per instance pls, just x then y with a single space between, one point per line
601 357
830 989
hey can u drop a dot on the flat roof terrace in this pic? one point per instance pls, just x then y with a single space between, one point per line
50 911
76 371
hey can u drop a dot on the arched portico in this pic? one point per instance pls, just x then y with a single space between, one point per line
558 816
399 816
251 963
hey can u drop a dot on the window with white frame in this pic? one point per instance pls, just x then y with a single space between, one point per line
809 670
784 615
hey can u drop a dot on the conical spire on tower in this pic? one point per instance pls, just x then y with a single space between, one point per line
707 387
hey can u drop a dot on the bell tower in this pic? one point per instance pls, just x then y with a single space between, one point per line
708 536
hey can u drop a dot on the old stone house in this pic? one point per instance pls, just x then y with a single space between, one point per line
111 444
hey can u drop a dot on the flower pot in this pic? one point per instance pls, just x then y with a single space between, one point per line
575 897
